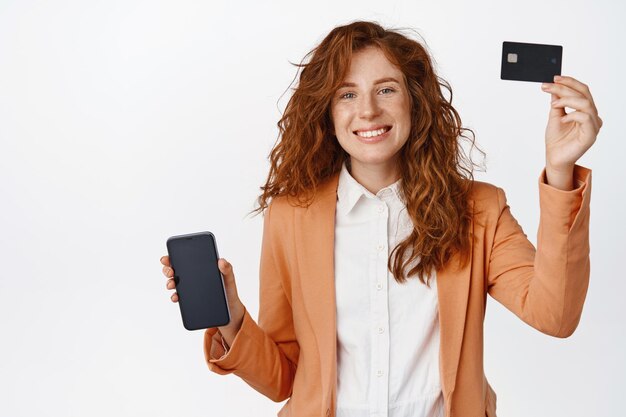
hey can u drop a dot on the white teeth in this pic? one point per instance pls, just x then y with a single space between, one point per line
371 133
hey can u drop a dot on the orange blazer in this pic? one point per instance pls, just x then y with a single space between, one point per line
291 353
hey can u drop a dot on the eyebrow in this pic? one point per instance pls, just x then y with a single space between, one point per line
380 81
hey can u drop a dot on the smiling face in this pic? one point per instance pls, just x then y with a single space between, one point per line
371 115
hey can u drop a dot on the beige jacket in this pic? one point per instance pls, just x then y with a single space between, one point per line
291 353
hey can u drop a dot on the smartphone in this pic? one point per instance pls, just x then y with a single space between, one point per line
530 62
199 282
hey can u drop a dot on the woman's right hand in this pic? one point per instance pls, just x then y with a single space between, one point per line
236 307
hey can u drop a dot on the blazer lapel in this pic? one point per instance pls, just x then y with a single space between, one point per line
453 283
315 243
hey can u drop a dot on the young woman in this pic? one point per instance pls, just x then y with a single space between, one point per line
379 248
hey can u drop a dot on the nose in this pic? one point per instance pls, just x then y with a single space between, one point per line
368 107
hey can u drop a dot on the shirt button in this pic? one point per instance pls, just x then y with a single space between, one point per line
379 286
381 209
381 247
381 330
379 373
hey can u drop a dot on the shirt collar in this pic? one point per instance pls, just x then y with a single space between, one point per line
350 191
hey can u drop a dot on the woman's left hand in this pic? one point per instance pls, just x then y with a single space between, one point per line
569 135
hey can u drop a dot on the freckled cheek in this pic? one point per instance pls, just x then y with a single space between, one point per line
402 113
342 121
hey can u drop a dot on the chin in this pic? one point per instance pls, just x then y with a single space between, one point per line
374 159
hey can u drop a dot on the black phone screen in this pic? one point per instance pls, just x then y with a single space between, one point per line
199 283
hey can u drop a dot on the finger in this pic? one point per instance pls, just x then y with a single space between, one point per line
174 297
580 105
168 272
170 285
587 122
555 94
556 111
560 90
576 103
165 260
575 85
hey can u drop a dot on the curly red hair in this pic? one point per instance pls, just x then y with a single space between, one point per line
436 174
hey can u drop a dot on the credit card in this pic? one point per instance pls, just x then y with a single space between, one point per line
530 61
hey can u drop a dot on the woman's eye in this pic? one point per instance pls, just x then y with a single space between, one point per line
348 95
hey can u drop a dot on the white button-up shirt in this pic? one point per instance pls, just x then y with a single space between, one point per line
387 333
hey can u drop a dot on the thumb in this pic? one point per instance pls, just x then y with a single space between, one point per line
229 282
226 269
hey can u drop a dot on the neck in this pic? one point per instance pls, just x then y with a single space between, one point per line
374 177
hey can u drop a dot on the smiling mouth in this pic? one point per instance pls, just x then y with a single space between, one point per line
372 133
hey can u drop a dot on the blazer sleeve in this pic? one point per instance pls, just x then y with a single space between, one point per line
265 356
545 286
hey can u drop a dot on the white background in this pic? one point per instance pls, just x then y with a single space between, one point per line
125 122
